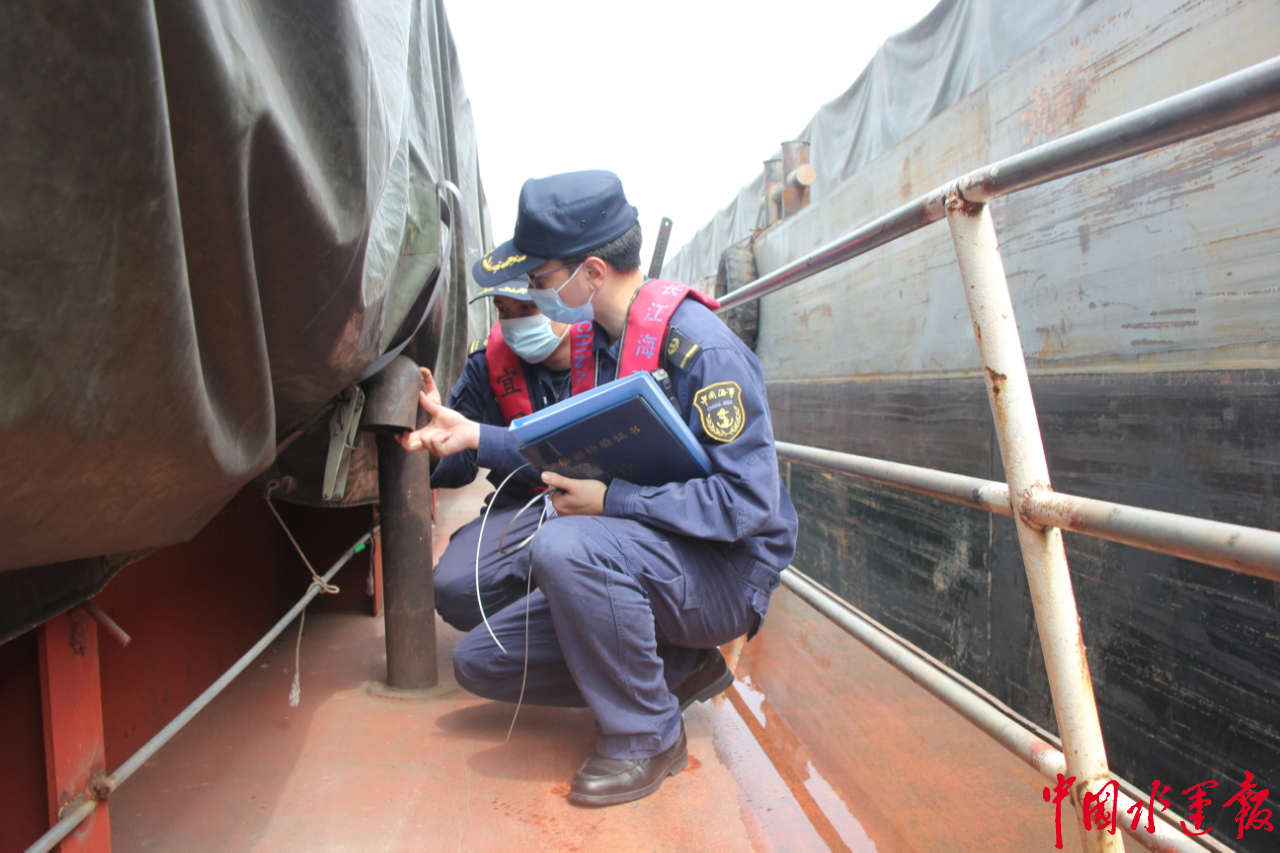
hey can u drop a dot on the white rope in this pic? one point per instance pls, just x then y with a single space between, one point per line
295 691
316 580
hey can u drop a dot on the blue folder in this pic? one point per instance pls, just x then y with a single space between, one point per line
626 429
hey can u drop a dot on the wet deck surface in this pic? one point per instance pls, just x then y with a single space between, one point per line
820 745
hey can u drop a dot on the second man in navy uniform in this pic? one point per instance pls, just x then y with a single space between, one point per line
522 366
627 576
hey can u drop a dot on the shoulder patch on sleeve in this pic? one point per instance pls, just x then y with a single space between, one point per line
720 408
478 346
680 350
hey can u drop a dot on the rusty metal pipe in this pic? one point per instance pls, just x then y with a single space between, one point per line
1234 547
1229 546
404 495
409 609
799 175
1027 470
796 181
802 176
1227 101
980 710
105 787
391 398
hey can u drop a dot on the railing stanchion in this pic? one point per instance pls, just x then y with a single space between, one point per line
1009 391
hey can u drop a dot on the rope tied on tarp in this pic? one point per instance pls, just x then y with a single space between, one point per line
325 588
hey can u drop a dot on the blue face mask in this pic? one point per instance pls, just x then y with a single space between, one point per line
531 337
551 305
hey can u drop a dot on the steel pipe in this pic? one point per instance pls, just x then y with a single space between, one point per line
1022 449
72 819
408 586
106 622
1247 94
391 398
1234 99
979 710
971 491
1215 543
799 176
881 231
1228 546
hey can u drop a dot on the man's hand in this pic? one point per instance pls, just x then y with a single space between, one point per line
576 497
429 386
448 432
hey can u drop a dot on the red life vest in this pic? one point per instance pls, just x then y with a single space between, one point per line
647 320
640 350
506 373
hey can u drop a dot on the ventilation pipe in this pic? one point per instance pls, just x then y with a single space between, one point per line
787 181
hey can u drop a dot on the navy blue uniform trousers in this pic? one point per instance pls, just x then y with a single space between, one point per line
618 611
503 577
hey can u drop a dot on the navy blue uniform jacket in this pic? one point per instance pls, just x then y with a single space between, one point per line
743 504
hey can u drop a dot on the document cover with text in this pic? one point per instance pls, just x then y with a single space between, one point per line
625 429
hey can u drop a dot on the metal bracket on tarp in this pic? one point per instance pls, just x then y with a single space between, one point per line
343 425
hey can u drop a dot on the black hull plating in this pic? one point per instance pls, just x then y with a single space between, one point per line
1185 658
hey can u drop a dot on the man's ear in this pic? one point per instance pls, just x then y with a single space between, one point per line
597 271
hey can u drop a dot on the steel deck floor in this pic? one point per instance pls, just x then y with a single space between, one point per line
819 746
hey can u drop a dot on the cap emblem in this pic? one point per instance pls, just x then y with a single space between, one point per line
489 266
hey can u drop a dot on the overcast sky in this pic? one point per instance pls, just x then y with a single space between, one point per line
682 98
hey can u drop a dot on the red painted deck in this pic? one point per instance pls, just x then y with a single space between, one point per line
820 746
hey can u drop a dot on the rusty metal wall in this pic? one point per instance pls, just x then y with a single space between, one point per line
1165 258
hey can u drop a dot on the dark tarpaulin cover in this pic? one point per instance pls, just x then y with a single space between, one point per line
213 216
915 75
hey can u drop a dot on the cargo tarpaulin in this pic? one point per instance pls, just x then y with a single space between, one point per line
213 217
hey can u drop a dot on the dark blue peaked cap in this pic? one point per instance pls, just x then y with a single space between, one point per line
559 216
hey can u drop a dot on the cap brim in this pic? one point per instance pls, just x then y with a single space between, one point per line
509 290
503 264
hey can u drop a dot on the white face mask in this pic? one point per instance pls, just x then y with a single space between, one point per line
531 337
550 303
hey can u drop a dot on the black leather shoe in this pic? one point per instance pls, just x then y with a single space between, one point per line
710 677
607 781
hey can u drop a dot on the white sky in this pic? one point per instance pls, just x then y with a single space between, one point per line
683 99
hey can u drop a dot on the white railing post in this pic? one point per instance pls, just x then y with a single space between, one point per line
1027 471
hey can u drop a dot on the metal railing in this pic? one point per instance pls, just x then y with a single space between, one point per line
1040 513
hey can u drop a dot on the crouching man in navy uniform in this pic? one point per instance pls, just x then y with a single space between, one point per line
628 576
521 367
